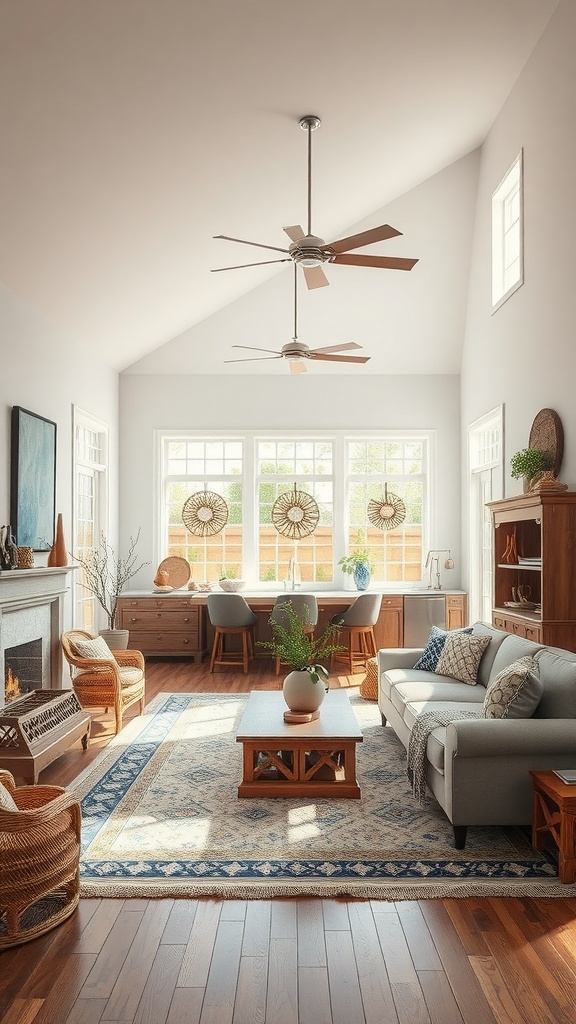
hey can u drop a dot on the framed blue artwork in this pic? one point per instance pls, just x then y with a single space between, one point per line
32 479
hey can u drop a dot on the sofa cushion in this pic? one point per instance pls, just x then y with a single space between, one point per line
436 739
497 637
558 674
515 692
461 657
428 660
511 649
391 678
435 688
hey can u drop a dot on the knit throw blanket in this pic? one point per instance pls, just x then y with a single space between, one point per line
423 726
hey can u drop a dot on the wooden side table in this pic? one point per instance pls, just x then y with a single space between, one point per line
555 815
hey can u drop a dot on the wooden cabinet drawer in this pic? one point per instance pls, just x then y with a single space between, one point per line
164 642
160 603
393 602
148 618
519 627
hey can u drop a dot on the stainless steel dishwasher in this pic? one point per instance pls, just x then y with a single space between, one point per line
420 613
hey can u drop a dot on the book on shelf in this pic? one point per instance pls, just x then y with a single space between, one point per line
529 561
567 775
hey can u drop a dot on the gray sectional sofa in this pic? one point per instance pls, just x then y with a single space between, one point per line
478 769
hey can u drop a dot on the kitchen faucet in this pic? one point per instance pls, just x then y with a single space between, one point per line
433 558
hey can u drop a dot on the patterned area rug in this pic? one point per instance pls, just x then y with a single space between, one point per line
161 817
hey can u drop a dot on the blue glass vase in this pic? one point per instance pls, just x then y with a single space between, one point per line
362 576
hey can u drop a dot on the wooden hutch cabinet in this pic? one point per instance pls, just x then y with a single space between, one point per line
534 548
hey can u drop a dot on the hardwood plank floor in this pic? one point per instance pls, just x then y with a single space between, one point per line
449 961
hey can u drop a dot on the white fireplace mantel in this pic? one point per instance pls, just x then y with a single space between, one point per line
23 589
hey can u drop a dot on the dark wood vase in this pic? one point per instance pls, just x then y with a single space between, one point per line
58 553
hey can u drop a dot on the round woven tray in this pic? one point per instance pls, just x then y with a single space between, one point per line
178 570
547 435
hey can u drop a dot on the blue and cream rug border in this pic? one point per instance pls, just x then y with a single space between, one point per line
120 782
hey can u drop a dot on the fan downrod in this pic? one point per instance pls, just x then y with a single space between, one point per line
309 121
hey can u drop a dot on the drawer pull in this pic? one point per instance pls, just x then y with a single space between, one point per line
134 618
186 619
160 636
186 641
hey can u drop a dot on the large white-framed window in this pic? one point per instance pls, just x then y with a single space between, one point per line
342 470
90 503
485 483
398 467
191 465
306 464
507 234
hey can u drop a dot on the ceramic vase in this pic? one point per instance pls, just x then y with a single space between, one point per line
362 576
117 639
58 553
300 693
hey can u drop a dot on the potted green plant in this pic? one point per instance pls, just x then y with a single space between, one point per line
305 685
526 464
359 565
105 575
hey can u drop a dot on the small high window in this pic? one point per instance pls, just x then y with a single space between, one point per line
507 239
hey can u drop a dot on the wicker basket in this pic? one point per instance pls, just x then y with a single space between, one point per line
369 685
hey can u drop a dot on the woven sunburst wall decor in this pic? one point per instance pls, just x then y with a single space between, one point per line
295 514
205 513
387 513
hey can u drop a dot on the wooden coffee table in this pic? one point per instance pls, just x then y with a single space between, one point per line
314 759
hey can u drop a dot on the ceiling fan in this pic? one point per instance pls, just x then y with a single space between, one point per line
296 352
310 252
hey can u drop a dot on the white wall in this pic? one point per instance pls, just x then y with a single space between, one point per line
44 371
524 355
148 402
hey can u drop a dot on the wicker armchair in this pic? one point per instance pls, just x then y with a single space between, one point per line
117 683
39 855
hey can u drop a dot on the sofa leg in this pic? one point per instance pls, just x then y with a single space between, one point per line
383 717
460 836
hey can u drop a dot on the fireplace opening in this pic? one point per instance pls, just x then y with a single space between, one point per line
22 669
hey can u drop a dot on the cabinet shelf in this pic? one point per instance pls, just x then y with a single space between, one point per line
521 568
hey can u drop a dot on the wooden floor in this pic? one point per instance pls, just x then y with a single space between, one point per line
302 961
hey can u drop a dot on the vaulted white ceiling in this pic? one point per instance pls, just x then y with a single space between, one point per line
134 131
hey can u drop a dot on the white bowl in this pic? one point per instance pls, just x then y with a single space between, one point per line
231 586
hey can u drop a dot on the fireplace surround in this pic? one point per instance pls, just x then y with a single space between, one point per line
32 610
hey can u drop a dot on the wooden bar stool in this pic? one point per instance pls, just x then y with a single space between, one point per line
231 616
358 632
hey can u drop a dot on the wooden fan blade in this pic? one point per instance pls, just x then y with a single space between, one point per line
337 348
297 366
256 348
385 262
294 232
364 238
253 359
338 359
239 266
243 241
315 277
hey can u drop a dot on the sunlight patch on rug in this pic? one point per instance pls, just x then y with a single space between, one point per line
161 817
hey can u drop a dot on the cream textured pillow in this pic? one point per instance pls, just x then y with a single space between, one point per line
97 649
461 657
6 801
515 692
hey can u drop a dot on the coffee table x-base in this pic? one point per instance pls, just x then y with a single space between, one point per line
312 759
